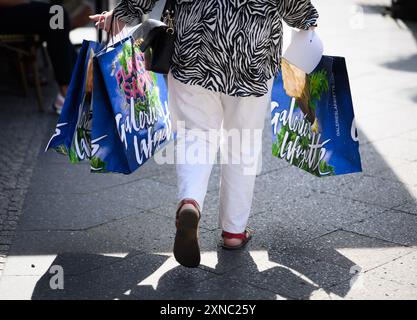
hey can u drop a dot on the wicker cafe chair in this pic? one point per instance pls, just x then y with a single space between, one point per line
25 48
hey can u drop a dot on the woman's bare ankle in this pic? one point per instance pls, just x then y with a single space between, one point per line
232 242
187 207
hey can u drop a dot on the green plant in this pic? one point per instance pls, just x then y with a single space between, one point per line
318 84
124 55
303 143
97 164
73 156
62 149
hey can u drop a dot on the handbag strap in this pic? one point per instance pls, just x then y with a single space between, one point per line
168 10
169 5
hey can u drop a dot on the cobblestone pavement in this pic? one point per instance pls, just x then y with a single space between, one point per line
22 131
347 237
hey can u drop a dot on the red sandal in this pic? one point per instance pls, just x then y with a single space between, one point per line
246 236
186 248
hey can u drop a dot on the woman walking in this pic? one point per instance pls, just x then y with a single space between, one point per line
227 53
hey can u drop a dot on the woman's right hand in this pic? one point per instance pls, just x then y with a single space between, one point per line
103 21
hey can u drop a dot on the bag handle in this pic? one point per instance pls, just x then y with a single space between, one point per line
110 37
153 27
168 15
169 6
110 41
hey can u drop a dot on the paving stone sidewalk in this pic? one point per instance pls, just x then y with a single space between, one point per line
22 135
347 237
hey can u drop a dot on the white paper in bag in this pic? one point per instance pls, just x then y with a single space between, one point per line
305 50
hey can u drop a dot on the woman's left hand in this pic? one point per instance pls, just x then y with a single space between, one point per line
103 21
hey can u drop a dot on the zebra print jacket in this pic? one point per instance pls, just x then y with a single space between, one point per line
228 46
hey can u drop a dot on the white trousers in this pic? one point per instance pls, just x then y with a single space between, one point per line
206 120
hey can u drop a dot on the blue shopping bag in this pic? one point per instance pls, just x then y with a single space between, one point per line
313 123
138 100
115 114
73 131
107 148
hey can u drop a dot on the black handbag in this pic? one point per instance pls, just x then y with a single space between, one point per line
156 39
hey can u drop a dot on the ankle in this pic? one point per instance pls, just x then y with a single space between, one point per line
187 206
232 242
63 91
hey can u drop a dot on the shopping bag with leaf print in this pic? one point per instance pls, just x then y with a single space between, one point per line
138 100
313 125
107 153
83 131
72 135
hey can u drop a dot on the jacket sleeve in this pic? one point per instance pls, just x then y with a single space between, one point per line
299 14
129 10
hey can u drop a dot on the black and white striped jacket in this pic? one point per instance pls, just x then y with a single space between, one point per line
229 46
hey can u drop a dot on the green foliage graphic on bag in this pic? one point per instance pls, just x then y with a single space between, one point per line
138 87
98 165
298 141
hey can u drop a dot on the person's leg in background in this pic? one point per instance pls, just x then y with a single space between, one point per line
34 17
245 115
61 51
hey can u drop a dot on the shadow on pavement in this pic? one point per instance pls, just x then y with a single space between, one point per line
408 64
121 278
